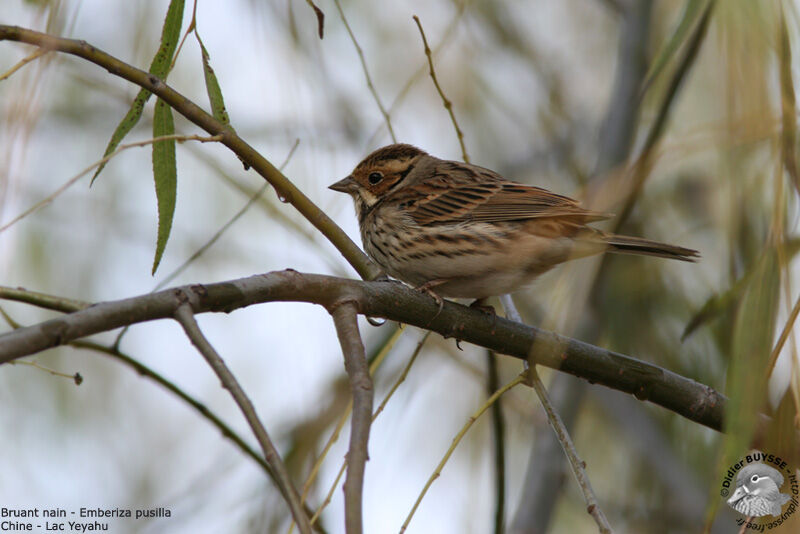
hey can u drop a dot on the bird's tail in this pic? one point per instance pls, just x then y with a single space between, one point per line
622 244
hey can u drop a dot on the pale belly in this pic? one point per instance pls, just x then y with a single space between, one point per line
472 260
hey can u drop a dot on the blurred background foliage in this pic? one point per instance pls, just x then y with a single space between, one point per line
561 94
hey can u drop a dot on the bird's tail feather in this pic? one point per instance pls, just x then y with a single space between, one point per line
622 244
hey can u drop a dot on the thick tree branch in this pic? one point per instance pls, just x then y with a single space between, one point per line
283 186
355 363
185 316
393 301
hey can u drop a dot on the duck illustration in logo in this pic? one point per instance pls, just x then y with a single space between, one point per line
758 491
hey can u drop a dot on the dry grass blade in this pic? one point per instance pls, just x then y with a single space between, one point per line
788 105
448 105
366 73
456 440
47 200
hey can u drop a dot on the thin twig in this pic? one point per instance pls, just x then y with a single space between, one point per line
456 440
561 432
404 91
185 316
329 495
355 363
447 104
191 28
403 375
77 378
47 200
42 300
578 466
366 73
22 62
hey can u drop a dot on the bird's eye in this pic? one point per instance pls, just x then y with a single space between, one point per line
375 177
754 478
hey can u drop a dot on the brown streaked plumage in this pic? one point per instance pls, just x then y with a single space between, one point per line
466 231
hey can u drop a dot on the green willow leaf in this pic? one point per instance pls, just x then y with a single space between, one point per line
753 332
720 303
213 89
716 305
165 173
170 35
690 15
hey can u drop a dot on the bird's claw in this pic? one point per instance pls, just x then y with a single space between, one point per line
427 288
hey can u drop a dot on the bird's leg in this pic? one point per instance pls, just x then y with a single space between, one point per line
481 304
487 309
427 287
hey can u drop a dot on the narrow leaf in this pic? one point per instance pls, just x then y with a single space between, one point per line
716 305
166 175
679 36
170 34
720 303
213 89
788 106
753 332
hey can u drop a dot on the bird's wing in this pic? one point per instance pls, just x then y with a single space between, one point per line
458 192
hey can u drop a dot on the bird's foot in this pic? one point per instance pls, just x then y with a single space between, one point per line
481 304
427 288
489 311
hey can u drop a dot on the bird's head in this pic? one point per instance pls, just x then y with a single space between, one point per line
757 480
378 174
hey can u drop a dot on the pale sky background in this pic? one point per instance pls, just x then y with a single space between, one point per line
120 440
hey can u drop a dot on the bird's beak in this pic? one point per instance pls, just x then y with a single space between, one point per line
346 185
740 492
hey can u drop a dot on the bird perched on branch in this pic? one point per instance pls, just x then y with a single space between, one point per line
758 491
459 230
